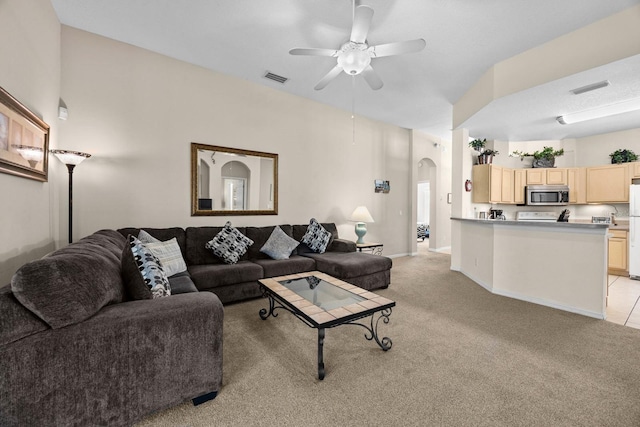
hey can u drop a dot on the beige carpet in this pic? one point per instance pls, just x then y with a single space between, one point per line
461 357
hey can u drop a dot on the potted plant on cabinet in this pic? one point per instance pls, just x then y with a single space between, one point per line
545 158
486 157
478 144
623 156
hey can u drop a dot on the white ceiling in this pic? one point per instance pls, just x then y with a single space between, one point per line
246 38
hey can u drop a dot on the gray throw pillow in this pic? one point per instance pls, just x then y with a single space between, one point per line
143 274
145 237
279 245
317 237
229 244
169 255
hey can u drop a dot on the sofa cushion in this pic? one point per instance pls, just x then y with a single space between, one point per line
181 283
70 285
279 245
211 276
229 244
169 255
142 272
282 267
345 265
317 238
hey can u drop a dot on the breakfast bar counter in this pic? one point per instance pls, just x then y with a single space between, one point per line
557 264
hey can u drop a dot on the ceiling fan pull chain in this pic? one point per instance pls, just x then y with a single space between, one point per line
353 108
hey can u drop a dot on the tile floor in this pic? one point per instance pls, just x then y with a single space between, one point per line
624 306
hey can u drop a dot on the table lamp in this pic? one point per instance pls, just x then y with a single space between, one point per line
361 216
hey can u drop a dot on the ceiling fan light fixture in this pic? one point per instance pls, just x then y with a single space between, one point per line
600 112
354 58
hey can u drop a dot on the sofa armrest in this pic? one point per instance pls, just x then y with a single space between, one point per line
127 361
342 245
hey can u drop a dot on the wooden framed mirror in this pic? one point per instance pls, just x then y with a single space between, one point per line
231 181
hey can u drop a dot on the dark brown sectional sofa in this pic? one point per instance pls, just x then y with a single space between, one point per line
75 351
237 282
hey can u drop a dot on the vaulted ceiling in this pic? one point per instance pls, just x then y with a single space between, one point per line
464 39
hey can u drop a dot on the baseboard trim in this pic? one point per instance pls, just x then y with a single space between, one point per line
551 304
534 300
204 398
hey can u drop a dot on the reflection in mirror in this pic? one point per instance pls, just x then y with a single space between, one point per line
230 181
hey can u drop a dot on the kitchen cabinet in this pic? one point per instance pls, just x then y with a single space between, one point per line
492 184
547 176
519 184
557 176
608 184
577 181
618 257
507 186
536 176
635 169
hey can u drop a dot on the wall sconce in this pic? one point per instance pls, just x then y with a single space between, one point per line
71 159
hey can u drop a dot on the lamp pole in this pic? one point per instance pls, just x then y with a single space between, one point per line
71 159
70 168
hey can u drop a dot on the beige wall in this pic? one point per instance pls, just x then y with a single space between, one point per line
137 112
30 71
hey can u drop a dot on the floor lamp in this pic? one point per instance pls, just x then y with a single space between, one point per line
71 159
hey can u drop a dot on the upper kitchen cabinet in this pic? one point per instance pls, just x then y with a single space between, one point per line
577 181
536 176
519 184
492 184
635 169
547 176
557 176
608 184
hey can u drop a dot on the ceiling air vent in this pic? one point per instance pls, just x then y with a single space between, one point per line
276 78
589 88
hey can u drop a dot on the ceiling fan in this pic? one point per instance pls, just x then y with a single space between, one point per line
354 56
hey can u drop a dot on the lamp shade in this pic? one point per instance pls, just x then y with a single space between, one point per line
70 157
361 214
30 154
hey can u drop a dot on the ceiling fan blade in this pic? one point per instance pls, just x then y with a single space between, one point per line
328 77
361 23
397 48
314 52
372 78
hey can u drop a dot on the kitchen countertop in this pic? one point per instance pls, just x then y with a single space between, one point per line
572 224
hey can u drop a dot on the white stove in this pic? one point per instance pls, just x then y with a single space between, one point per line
536 216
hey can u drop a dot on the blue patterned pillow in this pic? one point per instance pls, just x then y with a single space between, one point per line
316 237
151 274
229 244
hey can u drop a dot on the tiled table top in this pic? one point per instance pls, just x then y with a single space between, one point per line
319 317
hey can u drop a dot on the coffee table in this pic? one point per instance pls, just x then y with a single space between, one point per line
322 301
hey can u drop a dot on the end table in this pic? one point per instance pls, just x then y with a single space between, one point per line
374 248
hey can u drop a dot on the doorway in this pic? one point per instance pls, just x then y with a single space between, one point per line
426 204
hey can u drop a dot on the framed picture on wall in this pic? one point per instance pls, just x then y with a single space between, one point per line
381 186
24 140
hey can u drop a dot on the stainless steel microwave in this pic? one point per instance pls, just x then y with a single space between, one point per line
547 195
